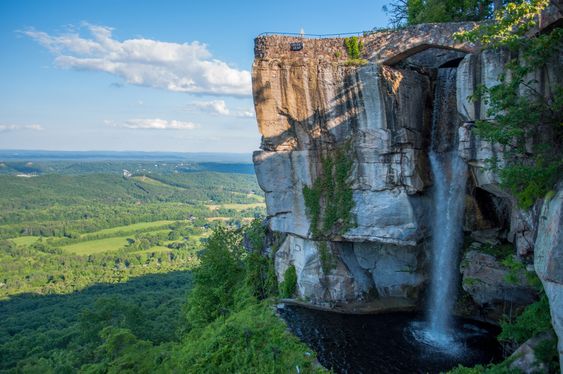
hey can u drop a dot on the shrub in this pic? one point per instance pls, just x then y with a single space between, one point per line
353 47
330 200
289 284
534 320
221 269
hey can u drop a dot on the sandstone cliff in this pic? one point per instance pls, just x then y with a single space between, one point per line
313 106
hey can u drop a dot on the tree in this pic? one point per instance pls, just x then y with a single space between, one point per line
412 12
522 117
221 269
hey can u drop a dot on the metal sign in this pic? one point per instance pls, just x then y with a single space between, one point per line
297 46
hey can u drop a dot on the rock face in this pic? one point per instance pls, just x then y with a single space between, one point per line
308 108
524 359
548 260
311 104
487 282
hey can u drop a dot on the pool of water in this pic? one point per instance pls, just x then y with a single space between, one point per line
389 343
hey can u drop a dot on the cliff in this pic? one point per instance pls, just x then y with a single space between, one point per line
346 172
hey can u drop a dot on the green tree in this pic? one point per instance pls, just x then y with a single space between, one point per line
220 270
289 284
412 12
523 118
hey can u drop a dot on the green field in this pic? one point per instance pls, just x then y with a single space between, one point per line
151 181
129 228
156 249
237 207
97 246
25 240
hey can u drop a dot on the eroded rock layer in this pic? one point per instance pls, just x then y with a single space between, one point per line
311 103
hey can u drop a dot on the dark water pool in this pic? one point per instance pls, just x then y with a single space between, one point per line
387 343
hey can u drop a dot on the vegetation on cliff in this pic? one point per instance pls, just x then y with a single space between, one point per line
329 200
233 330
520 116
354 48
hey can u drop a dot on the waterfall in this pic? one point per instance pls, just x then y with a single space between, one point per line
449 175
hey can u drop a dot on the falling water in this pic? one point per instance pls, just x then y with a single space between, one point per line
449 175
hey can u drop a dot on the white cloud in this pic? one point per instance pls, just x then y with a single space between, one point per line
154 124
219 107
6 128
186 67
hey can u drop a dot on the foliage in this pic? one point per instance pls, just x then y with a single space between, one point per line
499 251
517 273
136 326
411 12
240 334
534 320
250 340
510 24
289 284
329 201
260 275
106 312
221 269
42 269
546 352
353 47
520 117
62 333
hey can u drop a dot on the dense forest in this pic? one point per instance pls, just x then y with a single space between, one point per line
95 268
144 325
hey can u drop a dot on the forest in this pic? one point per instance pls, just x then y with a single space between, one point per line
95 268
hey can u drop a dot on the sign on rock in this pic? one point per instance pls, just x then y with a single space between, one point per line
296 46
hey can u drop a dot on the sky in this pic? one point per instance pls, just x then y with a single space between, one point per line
145 75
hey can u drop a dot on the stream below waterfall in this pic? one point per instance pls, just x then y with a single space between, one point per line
385 343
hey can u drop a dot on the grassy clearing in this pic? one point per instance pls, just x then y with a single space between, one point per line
97 246
237 207
155 249
152 182
25 240
128 228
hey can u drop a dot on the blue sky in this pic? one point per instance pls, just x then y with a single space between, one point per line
145 75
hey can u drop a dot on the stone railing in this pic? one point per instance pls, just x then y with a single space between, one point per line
380 46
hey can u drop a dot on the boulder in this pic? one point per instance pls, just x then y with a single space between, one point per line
486 280
524 359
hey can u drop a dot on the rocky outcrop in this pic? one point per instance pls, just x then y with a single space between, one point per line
308 108
311 104
524 359
493 287
548 260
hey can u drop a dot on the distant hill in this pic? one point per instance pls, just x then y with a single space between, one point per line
36 155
